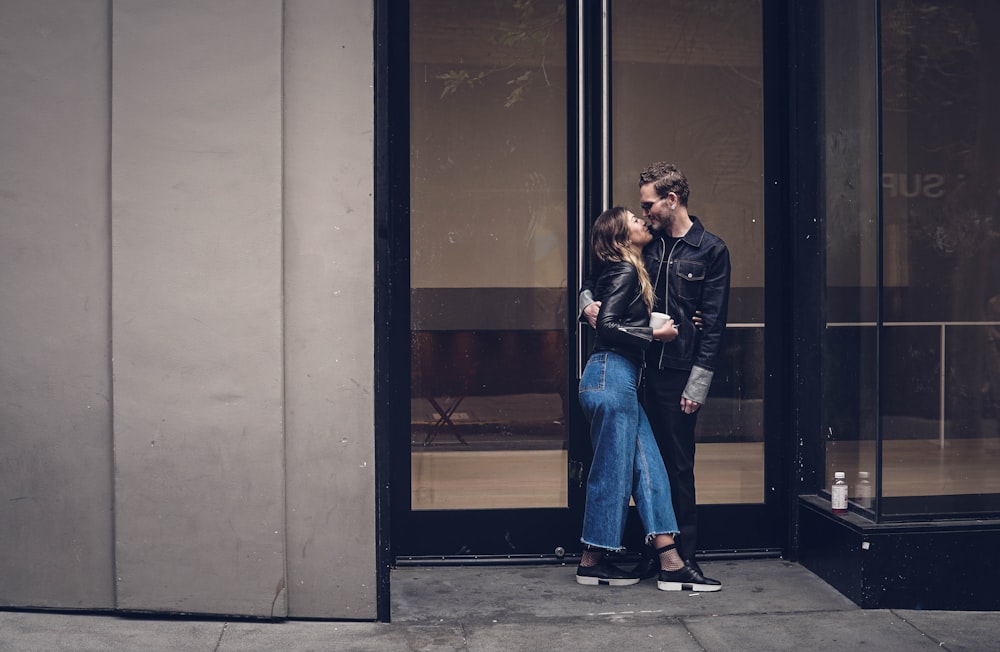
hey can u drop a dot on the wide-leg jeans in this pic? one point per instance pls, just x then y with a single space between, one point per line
627 461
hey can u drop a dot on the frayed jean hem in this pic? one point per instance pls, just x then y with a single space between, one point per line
600 547
653 535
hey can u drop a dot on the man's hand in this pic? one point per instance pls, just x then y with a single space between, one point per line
591 311
688 406
699 323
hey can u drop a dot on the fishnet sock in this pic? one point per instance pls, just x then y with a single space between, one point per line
670 560
591 557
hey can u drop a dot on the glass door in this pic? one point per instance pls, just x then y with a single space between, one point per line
687 86
525 120
489 328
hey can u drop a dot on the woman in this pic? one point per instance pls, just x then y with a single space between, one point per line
627 462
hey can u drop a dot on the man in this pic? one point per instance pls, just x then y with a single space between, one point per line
690 270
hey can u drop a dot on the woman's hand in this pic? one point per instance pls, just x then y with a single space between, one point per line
666 332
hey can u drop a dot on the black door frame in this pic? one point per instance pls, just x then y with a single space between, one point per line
545 535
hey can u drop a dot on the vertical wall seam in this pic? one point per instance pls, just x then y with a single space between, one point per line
109 164
283 297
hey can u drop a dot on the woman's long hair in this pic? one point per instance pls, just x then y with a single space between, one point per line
609 240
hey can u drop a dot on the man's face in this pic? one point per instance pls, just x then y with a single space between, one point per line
655 209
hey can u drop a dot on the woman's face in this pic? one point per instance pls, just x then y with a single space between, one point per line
638 231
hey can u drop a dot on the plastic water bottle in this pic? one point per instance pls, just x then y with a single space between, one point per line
838 493
864 490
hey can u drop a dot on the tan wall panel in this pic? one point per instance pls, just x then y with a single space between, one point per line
55 413
329 279
197 306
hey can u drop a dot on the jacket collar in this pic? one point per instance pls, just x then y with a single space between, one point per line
696 234
694 237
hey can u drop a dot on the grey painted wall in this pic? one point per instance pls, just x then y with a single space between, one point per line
228 284
329 303
196 305
55 363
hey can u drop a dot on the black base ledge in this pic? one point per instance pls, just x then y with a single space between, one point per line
941 565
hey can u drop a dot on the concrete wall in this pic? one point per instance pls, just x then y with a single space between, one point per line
55 363
186 271
329 304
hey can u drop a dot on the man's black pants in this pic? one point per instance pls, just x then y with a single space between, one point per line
674 432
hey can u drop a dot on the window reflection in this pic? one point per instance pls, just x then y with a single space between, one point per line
488 254
936 347
850 210
687 87
940 181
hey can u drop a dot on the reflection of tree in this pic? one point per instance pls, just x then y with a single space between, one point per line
525 36
943 73
944 66
725 27
686 82
926 43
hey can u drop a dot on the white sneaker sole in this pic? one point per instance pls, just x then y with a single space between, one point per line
684 586
596 581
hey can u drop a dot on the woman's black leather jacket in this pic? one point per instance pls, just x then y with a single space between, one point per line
623 322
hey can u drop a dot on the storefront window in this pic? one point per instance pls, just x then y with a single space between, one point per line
850 205
912 344
941 303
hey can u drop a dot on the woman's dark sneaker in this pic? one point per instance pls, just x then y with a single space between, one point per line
605 573
686 579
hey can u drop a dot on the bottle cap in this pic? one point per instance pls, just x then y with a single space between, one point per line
839 474
863 475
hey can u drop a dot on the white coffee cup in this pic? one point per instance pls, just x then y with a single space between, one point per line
658 319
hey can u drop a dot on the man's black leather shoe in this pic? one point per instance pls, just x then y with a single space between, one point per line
693 564
605 573
686 579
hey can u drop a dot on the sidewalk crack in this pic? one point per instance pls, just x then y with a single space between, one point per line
222 632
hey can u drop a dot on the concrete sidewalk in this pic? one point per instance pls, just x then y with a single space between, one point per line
765 605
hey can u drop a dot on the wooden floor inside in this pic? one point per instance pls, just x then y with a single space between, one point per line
727 473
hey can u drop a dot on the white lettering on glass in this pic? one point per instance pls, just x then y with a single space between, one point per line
898 184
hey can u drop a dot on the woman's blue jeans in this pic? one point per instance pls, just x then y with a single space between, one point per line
627 461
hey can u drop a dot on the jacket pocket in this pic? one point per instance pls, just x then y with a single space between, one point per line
688 278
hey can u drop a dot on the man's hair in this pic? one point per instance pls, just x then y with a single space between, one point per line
666 179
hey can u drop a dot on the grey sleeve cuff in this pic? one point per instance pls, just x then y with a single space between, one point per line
585 299
697 385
